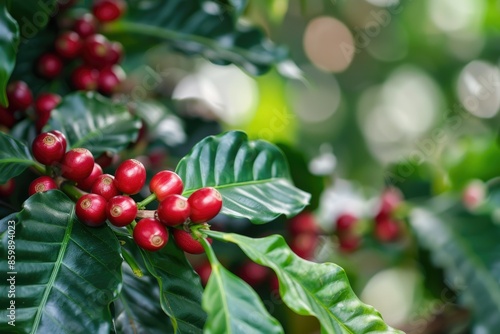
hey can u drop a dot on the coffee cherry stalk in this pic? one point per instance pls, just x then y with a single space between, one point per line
102 198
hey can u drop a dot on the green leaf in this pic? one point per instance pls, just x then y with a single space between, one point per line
9 40
180 288
232 305
252 176
92 121
138 309
321 290
66 274
34 15
15 157
206 28
466 247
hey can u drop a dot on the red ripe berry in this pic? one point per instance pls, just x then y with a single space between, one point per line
105 159
68 44
205 204
108 10
130 176
345 223
47 148
304 245
105 186
204 270
77 164
87 183
44 105
304 222
85 78
349 243
95 50
85 25
19 95
49 66
150 234
165 183
7 188
91 209
115 53
386 230
389 201
186 242
110 79
61 137
42 184
253 273
7 118
173 210
121 210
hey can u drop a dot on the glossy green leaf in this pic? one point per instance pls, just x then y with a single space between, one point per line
66 274
252 176
466 247
206 28
232 305
180 288
9 39
92 121
15 157
138 309
318 289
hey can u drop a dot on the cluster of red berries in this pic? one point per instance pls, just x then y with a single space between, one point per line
386 227
109 194
20 99
97 65
304 233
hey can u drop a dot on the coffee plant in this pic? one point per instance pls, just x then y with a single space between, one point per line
95 231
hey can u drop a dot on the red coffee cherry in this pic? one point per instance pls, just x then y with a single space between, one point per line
387 230
105 159
61 137
187 243
7 188
47 148
49 66
349 243
304 245
108 10
7 118
42 184
87 183
304 222
130 176
19 95
204 270
165 183
85 25
205 204
91 209
68 45
115 53
44 104
121 210
150 234
390 199
345 222
110 79
95 50
105 186
173 210
85 78
77 164
253 273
